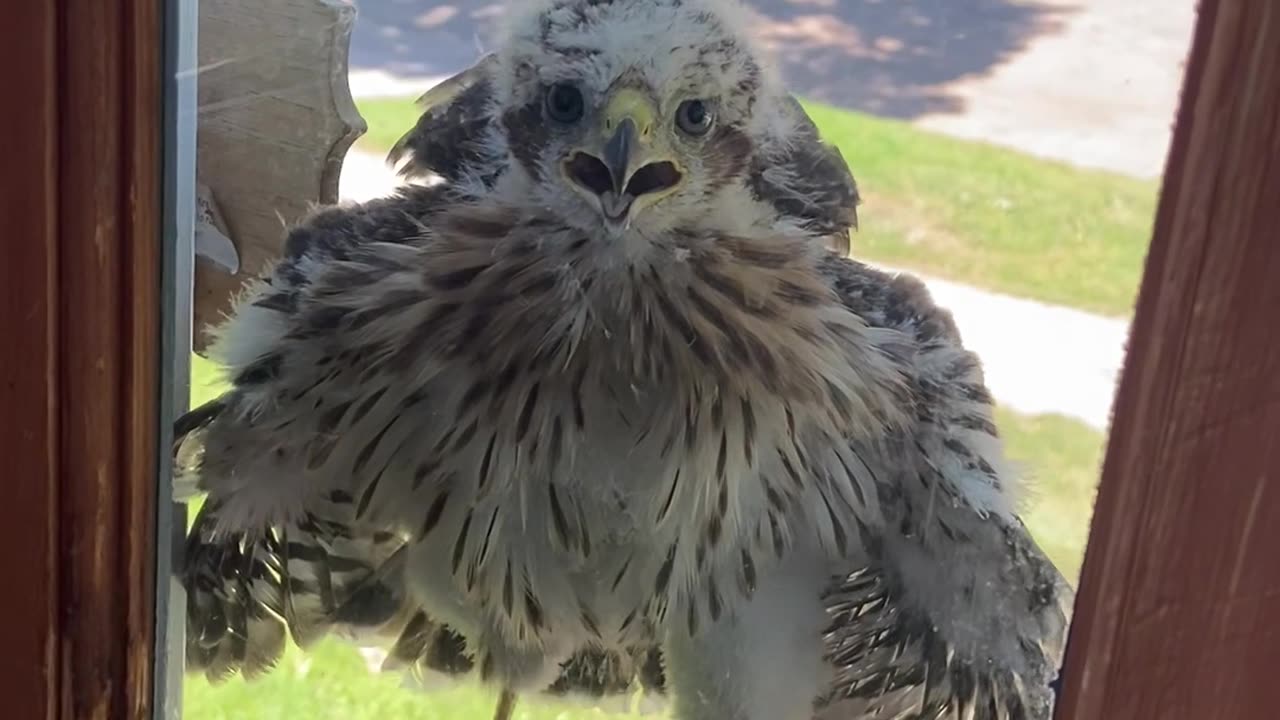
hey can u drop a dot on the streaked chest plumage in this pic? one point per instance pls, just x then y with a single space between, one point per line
596 448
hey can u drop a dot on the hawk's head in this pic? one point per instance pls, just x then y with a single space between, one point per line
639 115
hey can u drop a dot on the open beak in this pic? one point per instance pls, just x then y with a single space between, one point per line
623 167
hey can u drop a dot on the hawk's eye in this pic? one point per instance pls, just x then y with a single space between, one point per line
564 103
694 117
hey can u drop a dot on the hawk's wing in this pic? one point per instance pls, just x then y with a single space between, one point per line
326 574
958 611
246 593
808 180
448 139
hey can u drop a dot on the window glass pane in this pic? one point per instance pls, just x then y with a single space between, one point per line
1007 152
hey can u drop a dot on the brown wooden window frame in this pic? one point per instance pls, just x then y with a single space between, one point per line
93 254
1179 605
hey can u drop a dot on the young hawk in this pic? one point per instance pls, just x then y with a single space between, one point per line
602 406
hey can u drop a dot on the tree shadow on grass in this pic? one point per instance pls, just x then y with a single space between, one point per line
896 58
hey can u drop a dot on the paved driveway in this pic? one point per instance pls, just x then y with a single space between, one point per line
1093 82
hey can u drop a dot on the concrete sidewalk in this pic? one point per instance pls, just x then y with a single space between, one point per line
1039 358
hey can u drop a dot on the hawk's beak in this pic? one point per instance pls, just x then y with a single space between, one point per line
627 169
618 150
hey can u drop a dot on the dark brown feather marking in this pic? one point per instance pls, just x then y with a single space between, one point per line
508 593
688 334
726 153
488 535
481 319
473 394
622 572
468 433
486 462
796 294
626 621
483 227
717 412
837 527
584 532
759 255
460 544
502 387
713 598
791 470
715 527
690 426
533 610
367 404
748 432
528 134
765 360
722 458
731 290
774 497
589 621
441 443
424 471
671 494
715 317
559 522
319 449
977 423
975 393
332 417
367 496
664 573
434 513
526 413
282 302
261 371
779 540
424 335
853 481
747 579
555 446
389 304
367 453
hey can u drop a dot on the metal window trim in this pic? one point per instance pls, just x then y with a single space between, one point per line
177 278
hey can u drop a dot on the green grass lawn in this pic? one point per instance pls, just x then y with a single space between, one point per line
1059 456
332 683
963 210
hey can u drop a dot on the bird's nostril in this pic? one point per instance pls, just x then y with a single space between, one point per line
653 177
590 172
